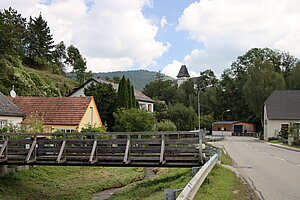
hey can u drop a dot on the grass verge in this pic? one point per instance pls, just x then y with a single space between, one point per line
221 184
65 182
225 158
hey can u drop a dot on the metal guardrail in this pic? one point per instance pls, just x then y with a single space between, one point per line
191 189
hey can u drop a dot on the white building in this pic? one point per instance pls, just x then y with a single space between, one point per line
9 113
280 110
145 102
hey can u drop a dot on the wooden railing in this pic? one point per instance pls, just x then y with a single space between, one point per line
169 149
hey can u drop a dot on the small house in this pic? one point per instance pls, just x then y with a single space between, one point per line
65 114
281 109
10 114
233 128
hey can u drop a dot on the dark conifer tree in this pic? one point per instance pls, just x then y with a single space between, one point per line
129 101
39 40
122 101
12 32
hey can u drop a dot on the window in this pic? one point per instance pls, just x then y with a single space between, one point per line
66 130
91 115
3 123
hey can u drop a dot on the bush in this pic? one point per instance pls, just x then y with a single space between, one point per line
166 126
184 117
133 120
94 129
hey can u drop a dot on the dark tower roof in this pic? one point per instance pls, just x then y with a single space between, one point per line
183 72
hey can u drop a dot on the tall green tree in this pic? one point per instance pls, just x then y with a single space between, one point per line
39 39
262 81
294 78
130 95
75 59
12 32
59 56
122 101
105 96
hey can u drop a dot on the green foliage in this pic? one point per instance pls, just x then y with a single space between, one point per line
65 182
184 117
32 124
261 82
294 78
122 100
206 121
105 96
133 120
12 32
165 91
126 98
78 63
39 40
93 129
166 126
58 58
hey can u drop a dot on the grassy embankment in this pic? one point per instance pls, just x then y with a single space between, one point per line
56 182
221 184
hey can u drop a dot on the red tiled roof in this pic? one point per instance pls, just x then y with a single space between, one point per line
55 110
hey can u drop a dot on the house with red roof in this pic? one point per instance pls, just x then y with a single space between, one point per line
10 114
61 113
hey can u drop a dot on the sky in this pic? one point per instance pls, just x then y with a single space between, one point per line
162 35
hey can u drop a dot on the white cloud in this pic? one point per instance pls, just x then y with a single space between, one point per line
228 28
111 34
173 69
163 21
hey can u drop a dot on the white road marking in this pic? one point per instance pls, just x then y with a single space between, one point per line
266 153
298 165
279 158
256 149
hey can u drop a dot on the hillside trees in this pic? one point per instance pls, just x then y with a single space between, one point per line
78 63
39 39
12 32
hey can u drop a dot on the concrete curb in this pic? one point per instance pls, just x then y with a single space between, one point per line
283 146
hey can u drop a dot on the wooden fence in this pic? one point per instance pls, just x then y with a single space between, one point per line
168 149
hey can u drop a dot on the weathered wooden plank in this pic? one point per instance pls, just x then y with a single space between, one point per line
3 151
94 153
30 152
61 153
127 151
162 151
92 133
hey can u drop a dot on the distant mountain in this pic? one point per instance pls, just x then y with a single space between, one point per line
138 78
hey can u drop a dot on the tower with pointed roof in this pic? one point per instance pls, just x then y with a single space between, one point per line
183 75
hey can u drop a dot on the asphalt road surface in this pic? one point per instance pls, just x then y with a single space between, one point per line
273 172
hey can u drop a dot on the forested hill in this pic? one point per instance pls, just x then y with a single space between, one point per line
139 78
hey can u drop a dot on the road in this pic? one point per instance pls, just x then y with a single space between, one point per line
273 172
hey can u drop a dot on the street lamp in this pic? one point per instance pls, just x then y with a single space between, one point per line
223 120
200 135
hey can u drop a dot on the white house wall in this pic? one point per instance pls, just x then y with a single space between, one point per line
274 126
12 120
80 92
